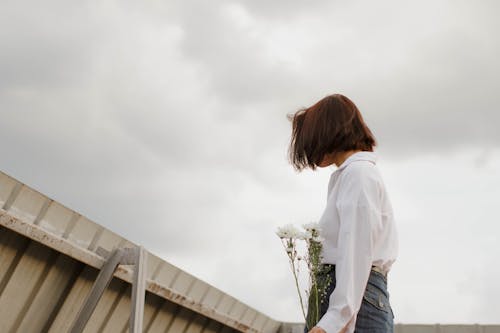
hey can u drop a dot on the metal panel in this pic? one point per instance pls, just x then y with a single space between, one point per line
49 261
60 275
43 290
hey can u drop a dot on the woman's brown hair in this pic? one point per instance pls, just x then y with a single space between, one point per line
332 125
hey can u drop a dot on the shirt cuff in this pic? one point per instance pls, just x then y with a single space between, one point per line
332 323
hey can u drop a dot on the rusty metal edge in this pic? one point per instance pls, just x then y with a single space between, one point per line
87 257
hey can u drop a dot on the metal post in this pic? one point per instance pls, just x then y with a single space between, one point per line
101 283
138 291
127 256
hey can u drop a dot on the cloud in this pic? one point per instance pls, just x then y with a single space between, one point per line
230 59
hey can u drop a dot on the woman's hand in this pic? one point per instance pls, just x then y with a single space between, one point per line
317 329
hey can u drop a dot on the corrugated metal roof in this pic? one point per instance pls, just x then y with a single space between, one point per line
48 262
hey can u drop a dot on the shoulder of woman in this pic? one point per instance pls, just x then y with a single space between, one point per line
360 171
359 184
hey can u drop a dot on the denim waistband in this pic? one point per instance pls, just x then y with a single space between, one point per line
327 268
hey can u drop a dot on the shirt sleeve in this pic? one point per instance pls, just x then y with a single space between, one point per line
358 204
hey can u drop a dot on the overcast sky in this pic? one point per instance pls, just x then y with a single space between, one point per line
165 121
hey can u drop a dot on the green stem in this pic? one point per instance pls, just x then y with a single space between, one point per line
298 290
292 263
317 300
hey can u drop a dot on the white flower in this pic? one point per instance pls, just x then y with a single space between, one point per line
304 235
311 226
287 231
318 239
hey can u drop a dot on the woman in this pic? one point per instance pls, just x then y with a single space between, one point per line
360 237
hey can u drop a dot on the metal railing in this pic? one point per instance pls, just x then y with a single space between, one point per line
124 256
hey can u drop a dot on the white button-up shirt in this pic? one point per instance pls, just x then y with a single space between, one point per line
359 231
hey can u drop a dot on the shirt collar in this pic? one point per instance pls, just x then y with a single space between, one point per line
360 156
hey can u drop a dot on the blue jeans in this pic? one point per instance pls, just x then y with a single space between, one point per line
375 314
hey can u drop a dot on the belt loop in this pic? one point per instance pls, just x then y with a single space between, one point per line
379 270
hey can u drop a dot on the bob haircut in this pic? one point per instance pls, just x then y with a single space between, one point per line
332 125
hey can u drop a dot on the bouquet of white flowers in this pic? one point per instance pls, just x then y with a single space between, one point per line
317 287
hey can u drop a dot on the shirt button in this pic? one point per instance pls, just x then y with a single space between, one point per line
381 303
